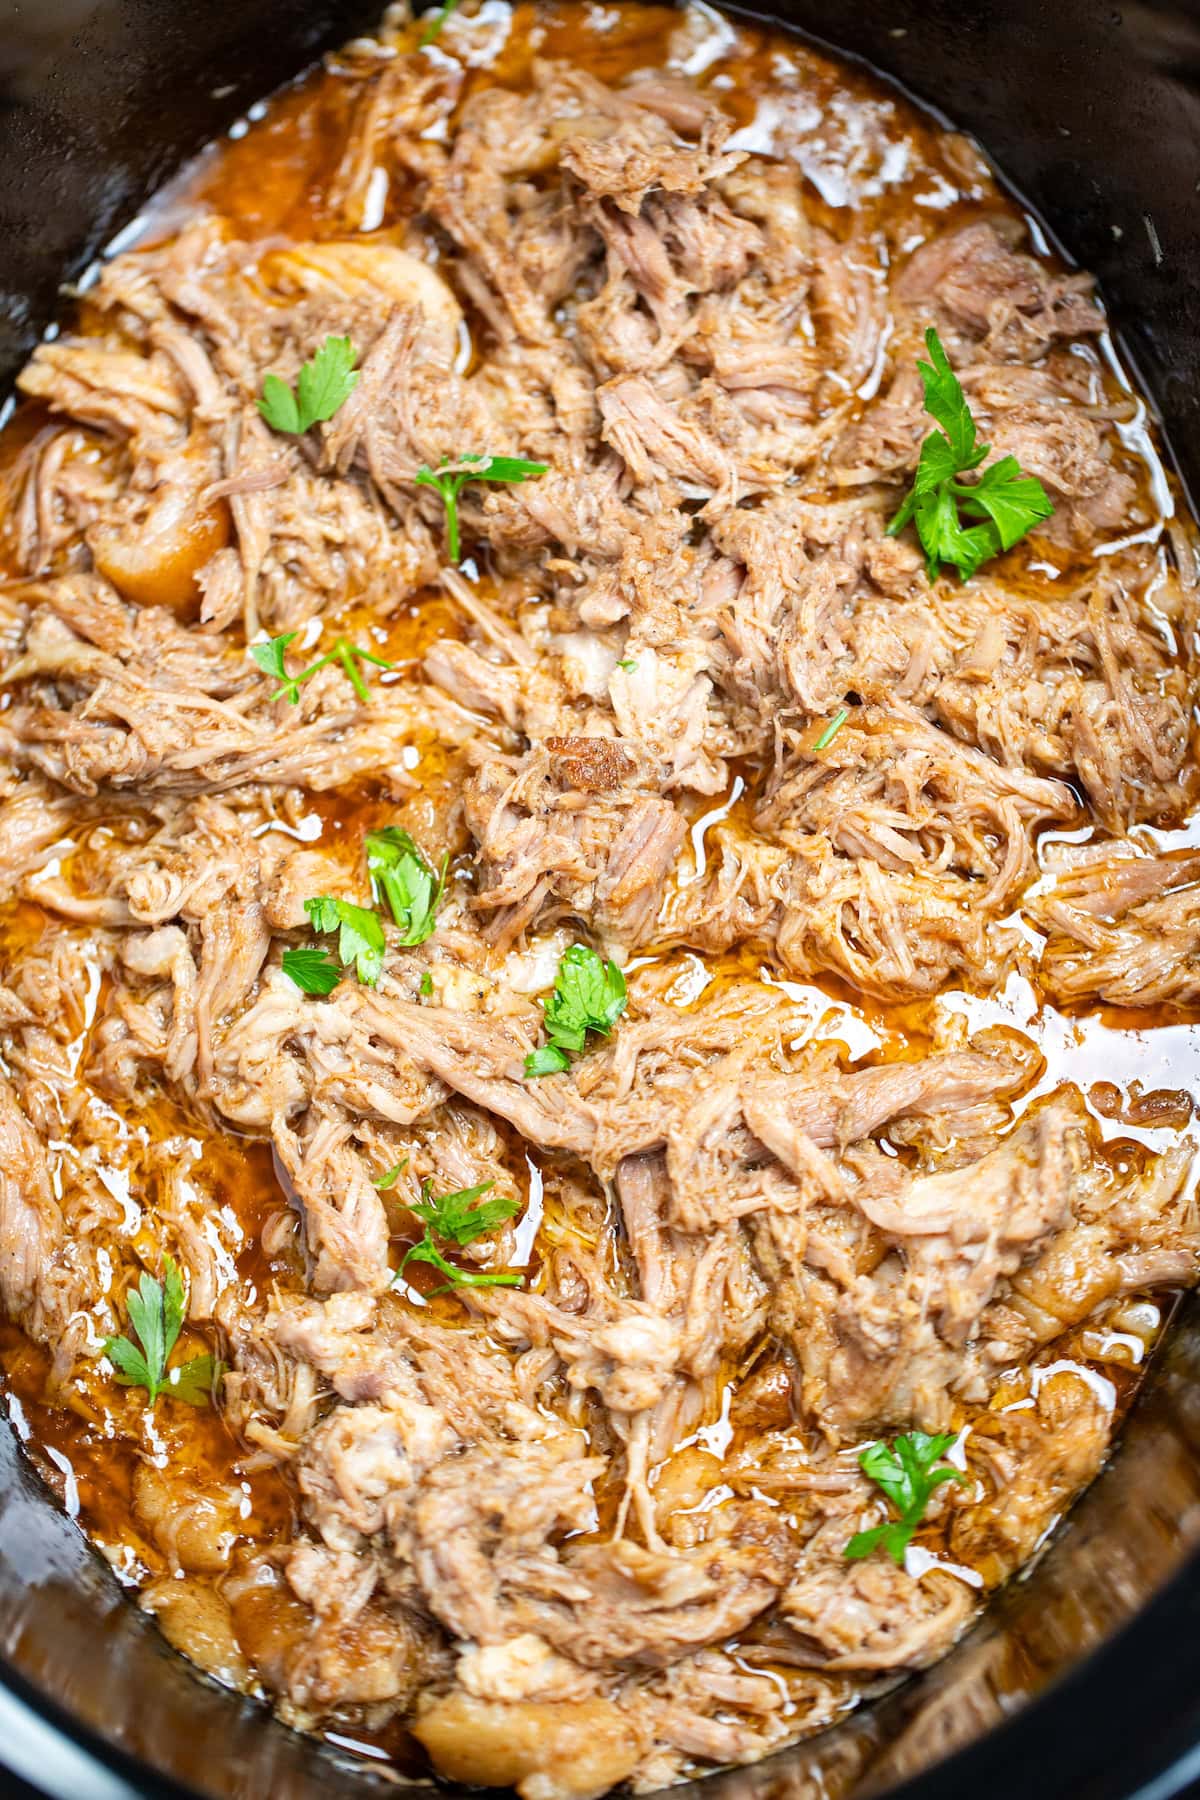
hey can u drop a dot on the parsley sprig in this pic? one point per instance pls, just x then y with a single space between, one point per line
412 891
401 877
456 1219
1007 501
312 969
450 478
360 946
156 1312
271 656
436 21
907 1474
391 1176
324 383
589 995
832 728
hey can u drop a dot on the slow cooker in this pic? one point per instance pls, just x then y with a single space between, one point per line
1082 1681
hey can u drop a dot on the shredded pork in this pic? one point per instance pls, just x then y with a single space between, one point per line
588 1529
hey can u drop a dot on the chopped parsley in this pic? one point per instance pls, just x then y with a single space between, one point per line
390 1176
437 20
450 479
831 730
156 1312
589 995
324 383
360 935
314 971
270 658
360 946
1006 501
456 1219
629 663
413 892
401 877
906 1473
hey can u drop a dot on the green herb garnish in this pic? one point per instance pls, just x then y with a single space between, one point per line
360 934
589 995
401 876
360 946
1008 501
628 662
456 1219
831 730
270 659
449 480
456 1216
907 1475
156 1311
323 384
313 970
433 29
390 1176
194 1382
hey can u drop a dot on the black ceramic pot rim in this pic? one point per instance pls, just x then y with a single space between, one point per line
1123 1724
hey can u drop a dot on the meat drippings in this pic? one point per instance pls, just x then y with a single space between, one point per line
895 1132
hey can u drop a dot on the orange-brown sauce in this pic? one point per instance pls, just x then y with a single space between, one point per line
88 1436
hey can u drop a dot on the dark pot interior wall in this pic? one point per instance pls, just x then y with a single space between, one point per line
1092 109
101 99
1094 112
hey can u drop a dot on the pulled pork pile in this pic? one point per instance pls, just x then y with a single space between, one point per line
588 1528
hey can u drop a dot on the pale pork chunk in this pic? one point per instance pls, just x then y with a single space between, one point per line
1122 927
555 1324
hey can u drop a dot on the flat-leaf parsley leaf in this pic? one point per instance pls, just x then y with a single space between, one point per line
401 877
450 479
360 934
589 995
313 970
156 1312
194 1382
906 1473
324 383
437 20
457 1219
1005 500
270 659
